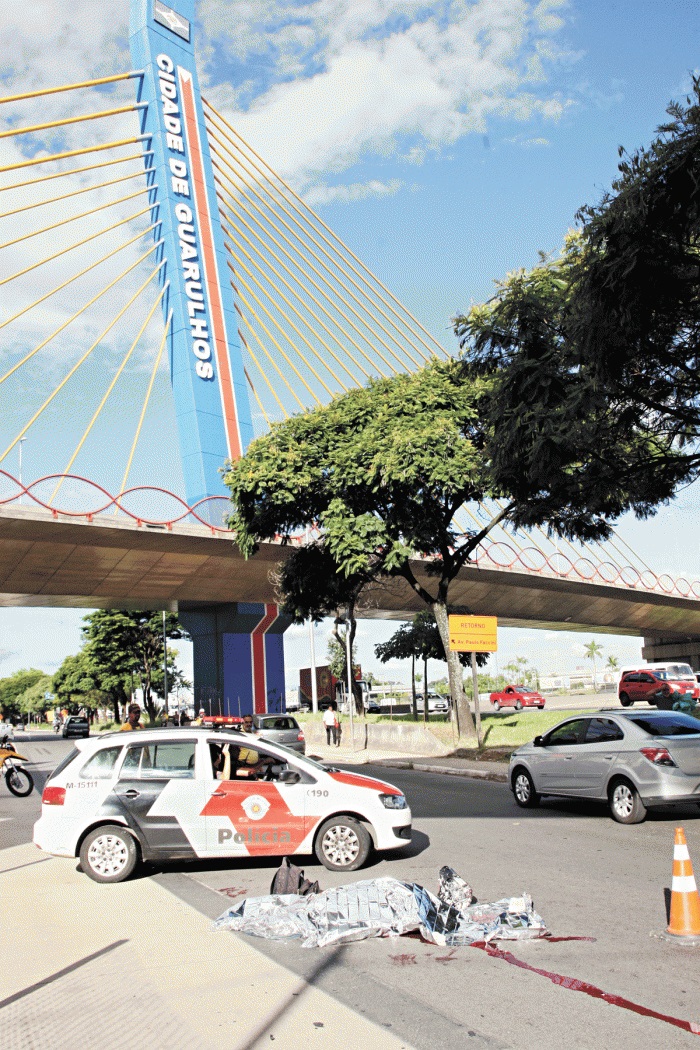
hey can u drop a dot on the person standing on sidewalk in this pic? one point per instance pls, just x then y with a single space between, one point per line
330 721
134 718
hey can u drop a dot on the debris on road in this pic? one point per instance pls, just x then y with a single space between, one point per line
385 907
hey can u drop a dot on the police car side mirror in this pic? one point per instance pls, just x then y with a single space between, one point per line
538 742
289 776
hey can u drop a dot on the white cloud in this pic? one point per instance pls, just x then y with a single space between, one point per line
341 80
325 194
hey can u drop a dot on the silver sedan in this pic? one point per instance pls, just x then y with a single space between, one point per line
630 759
281 729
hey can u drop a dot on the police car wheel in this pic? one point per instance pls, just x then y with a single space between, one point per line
108 854
343 844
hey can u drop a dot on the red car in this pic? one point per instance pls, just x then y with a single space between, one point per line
517 696
655 687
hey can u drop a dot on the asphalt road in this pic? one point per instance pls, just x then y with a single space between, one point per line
589 877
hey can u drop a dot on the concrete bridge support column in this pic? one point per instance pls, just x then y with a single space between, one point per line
686 650
238 657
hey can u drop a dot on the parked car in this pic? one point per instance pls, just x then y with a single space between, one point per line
633 760
517 696
655 687
281 729
154 796
75 725
437 705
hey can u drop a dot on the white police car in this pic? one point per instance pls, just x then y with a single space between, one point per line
155 795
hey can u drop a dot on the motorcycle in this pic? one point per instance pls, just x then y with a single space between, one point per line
18 780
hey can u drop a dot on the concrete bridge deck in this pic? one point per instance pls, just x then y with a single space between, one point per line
114 562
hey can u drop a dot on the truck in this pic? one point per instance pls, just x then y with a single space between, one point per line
330 690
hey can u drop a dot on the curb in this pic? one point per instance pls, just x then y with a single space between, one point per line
422 767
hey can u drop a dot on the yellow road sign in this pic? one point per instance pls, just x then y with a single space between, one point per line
473 634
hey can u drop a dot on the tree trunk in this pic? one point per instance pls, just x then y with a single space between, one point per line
414 703
465 723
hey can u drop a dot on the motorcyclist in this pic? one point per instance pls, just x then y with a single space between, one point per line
57 722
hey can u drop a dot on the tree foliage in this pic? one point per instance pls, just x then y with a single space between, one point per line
123 646
33 700
78 683
12 688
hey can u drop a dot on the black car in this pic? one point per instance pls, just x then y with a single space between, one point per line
76 725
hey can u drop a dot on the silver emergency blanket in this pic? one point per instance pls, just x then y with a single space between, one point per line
384 907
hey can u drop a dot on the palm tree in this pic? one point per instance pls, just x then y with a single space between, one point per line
593 650
613 664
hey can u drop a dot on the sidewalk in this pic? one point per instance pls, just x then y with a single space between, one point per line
478 769
131 965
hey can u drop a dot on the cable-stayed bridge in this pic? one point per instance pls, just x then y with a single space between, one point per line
165 298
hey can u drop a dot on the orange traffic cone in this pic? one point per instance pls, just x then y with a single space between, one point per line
685 902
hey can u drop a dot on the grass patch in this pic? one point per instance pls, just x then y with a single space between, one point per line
501 732
513 729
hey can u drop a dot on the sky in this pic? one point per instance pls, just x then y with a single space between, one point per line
447 143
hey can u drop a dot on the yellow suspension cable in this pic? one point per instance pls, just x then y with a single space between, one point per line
331 393
267 354
304 320
71 153
71 120
75 367
309 211
294 274
78 244
73 171
255 395
238 160
631 550
109 390
70 87
76 193
110 254
274 341
262 372
147 399
77 314
74 218
305 263
265 256
596 555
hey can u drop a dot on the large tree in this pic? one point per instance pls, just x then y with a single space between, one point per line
383 470
126 646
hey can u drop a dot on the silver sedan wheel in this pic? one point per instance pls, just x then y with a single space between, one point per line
522 788
108 856
341 845
623 801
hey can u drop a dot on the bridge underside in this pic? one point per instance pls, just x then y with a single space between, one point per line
113 562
